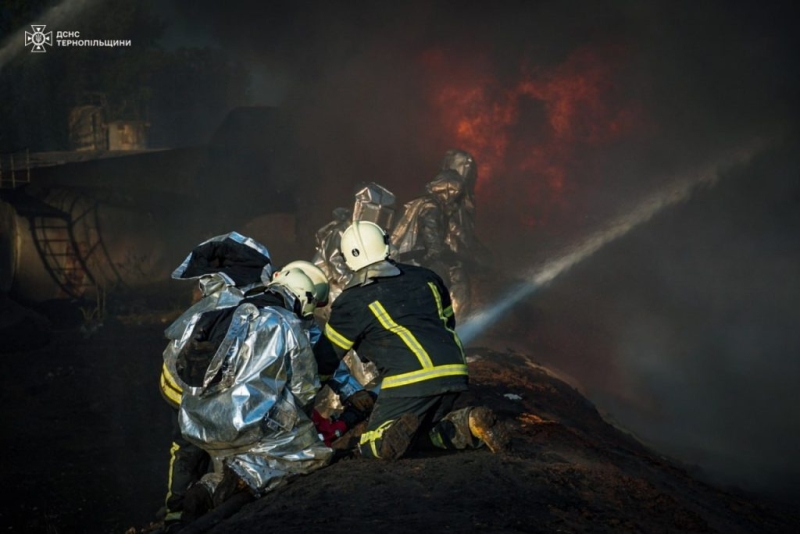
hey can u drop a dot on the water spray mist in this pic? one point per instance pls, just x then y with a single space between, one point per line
678 191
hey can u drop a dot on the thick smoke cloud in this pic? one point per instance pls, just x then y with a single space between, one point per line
684 331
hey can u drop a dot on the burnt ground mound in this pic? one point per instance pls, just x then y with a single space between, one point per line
86 444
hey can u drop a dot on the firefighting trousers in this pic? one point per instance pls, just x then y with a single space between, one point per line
436 429
187 464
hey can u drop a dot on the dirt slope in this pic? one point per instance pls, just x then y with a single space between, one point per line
569 471
86 439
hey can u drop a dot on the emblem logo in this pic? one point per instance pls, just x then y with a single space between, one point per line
38 38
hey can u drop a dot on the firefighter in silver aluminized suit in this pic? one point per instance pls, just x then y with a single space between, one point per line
225 267
428 235
461 236
228 268
327 256
249 383
373 203
437 230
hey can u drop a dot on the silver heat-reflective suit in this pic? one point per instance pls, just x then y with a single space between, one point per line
250 412
225 267
248 378
373 203
328 257
431 233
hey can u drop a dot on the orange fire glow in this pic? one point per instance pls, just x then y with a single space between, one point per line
526 134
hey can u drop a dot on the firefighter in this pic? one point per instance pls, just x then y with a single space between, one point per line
355 402
400 317
461 237
250 380
225 267
373 202
430 233
228 268
327 256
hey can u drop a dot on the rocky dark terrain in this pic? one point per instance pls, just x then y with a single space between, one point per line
86 440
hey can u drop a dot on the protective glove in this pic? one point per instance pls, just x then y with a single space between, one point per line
363 401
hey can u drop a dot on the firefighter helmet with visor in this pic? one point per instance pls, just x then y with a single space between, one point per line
317 276
364 243
300 285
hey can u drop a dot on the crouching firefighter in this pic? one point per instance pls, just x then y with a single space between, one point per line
249 383
225 267
228 268
400 317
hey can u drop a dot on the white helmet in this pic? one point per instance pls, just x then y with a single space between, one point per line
364 243
300 285
317 275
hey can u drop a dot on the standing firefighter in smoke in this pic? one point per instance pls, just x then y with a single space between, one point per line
461 236
400 317
431 233
373 203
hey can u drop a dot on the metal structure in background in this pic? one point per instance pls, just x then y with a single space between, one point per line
70 245
9 178
64 228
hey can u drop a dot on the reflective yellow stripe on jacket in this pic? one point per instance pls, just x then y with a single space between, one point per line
337 338
169 387
428 371
424 374
445 314
408 338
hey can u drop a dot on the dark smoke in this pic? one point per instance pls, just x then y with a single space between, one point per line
685 330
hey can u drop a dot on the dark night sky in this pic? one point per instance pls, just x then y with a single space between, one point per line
698 310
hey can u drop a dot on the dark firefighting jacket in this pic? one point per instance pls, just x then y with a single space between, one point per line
402 320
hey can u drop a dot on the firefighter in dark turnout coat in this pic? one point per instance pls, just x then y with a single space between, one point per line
400 317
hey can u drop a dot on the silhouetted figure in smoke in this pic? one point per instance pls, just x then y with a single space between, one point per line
433 232
461 225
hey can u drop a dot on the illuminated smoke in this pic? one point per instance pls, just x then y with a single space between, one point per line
526 162
678 191
63 12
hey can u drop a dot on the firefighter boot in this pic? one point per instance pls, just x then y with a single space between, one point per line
483 425
396 440
196 504
230 485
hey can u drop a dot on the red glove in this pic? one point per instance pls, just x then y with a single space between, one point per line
329 431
